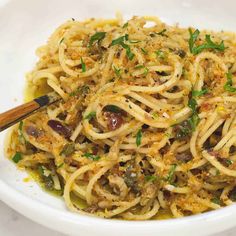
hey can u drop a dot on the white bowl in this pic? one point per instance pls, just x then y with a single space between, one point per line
25 25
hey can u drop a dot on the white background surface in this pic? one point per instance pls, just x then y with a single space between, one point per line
14 224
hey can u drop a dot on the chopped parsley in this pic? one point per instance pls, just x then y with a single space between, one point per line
67 149
59 166
216 200
139 138
125 25
81 90
139 66
117 71
228 85
171 172
62 39
193 37
121 41
188 126
83 65
193 121
145 71
198 93
41 170
160 54
97 37
92 157
229 162
209 44
46 176
150 178
135 41
162 32
91 115
21 135
192 103
144 51
17 157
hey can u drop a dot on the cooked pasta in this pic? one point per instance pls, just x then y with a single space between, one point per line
146 123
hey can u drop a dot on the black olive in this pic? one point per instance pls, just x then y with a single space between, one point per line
62 115
184 157
33 131
60 128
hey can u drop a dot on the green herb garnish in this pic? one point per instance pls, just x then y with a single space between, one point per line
21 135
193 121
117 71
160 54
170 175
83 65
192 103
90 115
216 200
129 54
139 66
228 85
144 51
135 41
81 90
121 41
229 162
125 25
198 93
17 157
146 70
209 44
61 40
139 138
150 178
193 37
162 33
97 37
40 170
68 149
59 166
91 156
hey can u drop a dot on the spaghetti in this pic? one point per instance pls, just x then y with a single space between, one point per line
146 123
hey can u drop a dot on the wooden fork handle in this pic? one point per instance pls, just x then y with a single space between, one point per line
19 113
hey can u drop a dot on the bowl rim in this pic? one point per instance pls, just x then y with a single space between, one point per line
43 214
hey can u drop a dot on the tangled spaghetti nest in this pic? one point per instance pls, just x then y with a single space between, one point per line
146 123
